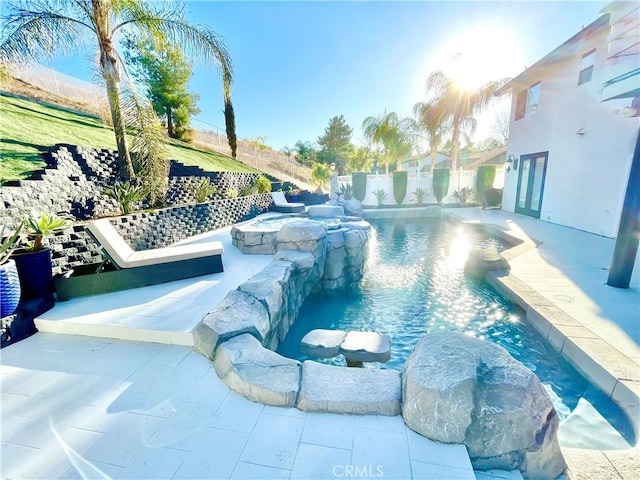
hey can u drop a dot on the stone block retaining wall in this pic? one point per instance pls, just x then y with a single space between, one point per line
74 179
157 228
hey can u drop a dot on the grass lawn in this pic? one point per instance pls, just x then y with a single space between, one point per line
28 128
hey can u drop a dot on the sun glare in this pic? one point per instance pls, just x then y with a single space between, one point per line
479 55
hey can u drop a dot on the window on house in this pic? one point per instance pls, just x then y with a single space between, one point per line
527 101
586 67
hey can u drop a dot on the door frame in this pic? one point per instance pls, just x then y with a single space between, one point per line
526 210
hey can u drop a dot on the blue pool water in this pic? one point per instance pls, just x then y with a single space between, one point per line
414 284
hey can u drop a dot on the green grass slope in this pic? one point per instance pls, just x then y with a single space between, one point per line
28 128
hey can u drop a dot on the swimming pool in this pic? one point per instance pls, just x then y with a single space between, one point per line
414 284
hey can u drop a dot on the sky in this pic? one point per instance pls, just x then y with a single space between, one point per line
298 64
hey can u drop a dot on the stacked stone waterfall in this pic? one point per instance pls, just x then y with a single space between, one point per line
241 333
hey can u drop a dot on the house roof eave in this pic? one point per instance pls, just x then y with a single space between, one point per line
552 56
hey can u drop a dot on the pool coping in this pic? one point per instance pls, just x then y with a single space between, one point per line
592 356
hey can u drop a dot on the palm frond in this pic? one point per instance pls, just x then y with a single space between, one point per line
199 41
150 153
37 30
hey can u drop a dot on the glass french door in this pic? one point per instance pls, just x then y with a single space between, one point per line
531 176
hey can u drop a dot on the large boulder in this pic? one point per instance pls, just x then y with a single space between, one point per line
238 313
458 389
260 375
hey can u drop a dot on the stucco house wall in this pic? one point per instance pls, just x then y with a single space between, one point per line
590 147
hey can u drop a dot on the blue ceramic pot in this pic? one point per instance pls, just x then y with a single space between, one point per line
9 288
35 271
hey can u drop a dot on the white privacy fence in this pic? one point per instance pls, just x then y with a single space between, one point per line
458 180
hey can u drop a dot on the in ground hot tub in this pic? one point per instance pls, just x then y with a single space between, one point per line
259 237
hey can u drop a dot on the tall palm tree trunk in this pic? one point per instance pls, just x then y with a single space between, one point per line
455 144
433 160
125 167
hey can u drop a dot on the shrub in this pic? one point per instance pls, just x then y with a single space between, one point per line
381 195
399 185
484 178
203 190
231 193
440 183
347 191
7 244
464 195
419 194
320 174
127 195
492 197
359 185
263 184
248 190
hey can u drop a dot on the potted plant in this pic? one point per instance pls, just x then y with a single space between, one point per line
34 260
9 279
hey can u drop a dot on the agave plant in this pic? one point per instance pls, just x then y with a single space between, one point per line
8 244
127 194
203 190
464 195
419 194
43 227
381 195
347 191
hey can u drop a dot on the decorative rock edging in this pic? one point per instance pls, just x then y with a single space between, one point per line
362 391
259 313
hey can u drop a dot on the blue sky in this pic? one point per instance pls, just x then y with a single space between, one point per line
297 64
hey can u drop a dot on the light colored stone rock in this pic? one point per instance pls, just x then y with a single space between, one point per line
322 343
237 313
325 211
458 389
302 231
267 285
327 388
353 206
264 249
302 261
258 374
366 347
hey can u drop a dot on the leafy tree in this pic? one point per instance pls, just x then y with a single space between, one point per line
39 29
458 105
360 159
500 125
335 144
389 133
307 154
165 72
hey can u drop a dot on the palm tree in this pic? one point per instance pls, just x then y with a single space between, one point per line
40 28
428 120
389 132
458 104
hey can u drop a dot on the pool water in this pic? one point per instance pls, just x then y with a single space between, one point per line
414 284
276 223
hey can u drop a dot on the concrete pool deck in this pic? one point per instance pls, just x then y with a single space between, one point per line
131 408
